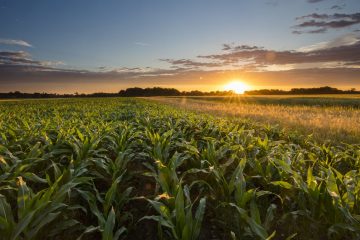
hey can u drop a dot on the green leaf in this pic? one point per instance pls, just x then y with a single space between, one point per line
282 184
160 208
199 215
159 219
255 227
119 232
111 193
33 177
109 226
7 223
271 236
23 198
179 209
292 236
255 214
24 222
88 230
331 185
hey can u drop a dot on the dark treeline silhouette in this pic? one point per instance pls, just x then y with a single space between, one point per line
148 92
302 91
130 92
158 91
18 94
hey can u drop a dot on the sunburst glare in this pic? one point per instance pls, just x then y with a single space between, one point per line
237 87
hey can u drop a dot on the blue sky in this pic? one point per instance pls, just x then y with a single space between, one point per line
100 37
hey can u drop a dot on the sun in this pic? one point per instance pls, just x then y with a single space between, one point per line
237 87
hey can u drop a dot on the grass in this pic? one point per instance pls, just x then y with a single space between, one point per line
327 119
134 169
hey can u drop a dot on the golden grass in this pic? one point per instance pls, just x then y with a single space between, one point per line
335 123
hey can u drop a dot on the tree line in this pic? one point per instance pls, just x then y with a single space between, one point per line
129 92
158 91
302 91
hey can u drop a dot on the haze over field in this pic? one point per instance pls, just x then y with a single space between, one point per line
91 46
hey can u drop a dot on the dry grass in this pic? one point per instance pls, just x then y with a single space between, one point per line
335 123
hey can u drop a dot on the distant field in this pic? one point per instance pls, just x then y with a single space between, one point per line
327 117
345 100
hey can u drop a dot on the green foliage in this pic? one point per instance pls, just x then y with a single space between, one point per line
132 169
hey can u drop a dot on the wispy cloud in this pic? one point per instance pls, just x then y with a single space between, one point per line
22 58
14 42
233 47
329 54
34 80
345 40
143 44
323 22
325 60
20 63
338 7
273 3
191 64
15 58
341 50
314 1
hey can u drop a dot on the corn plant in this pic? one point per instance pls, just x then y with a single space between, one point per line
178 218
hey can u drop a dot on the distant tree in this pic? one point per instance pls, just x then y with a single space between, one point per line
158 91
301 91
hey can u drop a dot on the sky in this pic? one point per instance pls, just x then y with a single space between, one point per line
91 46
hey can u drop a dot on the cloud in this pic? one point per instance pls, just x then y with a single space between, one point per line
24 58
322 22
134 70
20 64
142 44
338 7
325 61
233 47
190 64
339 50
15 42
273 3
314 1
313 15
65 81
331 54
18 54
345 40
52 63
14 58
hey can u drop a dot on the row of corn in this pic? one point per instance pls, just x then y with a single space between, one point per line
130 169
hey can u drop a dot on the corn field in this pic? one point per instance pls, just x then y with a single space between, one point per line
132 169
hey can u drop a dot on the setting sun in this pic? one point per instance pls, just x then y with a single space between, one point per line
237 87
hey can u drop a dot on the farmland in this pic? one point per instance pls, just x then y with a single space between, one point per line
334 118
123 168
